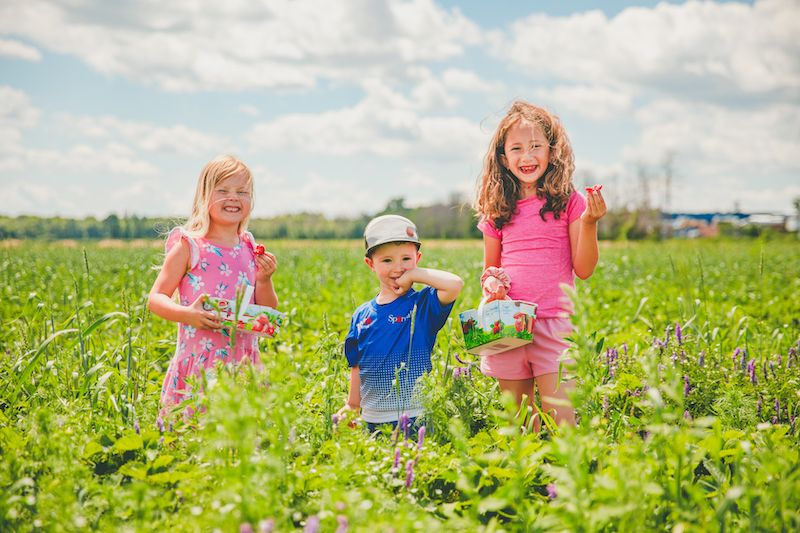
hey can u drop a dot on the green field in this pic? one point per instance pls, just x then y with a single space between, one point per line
678 432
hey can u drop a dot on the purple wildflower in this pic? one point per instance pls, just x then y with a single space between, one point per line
312 524
687 386
625 347
772 368
666 335
136 426
605 407
405 426
171 425
420 438
551 491
459 359
702 359
409 472
396 464
774 420
266 526
736 353
744 359
160 424
780 360
758 409
751 369
678 334
161 440
336 418
245 527
343 524
777 407
687 416
764 369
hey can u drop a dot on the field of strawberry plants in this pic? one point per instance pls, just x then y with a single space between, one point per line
687 397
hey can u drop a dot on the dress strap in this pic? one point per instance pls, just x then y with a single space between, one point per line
175 236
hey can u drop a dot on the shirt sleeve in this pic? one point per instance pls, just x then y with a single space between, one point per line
432 308
487 228
575 207
175 236
351 342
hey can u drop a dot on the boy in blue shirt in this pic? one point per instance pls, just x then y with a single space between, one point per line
392 335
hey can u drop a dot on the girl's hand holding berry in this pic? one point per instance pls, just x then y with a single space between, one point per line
595 205
266 263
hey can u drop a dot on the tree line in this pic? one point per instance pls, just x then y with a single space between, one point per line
452 219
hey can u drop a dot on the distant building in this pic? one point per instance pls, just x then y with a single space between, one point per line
694 225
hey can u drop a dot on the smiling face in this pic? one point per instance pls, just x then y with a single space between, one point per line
389 261
230 200
526 153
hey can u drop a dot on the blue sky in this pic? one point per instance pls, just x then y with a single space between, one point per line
340 106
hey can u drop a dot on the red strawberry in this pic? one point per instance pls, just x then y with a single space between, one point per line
260 250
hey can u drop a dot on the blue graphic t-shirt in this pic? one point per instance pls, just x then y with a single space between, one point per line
381 343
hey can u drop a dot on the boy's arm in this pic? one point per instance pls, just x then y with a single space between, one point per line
354 394
448 285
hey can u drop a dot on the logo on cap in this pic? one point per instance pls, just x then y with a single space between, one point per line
410 231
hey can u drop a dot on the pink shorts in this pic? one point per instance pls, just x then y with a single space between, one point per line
535 359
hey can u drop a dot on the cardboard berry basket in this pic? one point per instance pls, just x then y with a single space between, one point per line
498 326
253 319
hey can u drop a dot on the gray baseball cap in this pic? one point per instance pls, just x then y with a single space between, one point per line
389 228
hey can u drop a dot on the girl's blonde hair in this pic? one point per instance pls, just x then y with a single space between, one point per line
498 189
215 172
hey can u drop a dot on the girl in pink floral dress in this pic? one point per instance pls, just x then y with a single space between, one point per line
211 254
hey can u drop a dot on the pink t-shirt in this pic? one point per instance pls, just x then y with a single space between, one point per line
536 254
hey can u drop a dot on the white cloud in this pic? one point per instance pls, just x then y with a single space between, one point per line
18 50
21 197
249 109
597 103
16 114
702 48
177 139
729 192
468 80
315 194
714 139
189 45
384 123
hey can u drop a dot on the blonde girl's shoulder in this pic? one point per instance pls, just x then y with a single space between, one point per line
179 241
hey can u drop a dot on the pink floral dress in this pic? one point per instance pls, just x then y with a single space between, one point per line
216 271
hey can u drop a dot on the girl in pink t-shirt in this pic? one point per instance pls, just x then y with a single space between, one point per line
211 254
538 233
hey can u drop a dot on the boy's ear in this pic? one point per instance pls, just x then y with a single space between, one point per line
368 260
419 256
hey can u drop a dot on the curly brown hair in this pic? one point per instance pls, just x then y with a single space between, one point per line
498 189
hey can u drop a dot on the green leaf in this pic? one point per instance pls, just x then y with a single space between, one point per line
128 442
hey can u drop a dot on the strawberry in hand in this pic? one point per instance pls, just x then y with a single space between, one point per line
260 249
